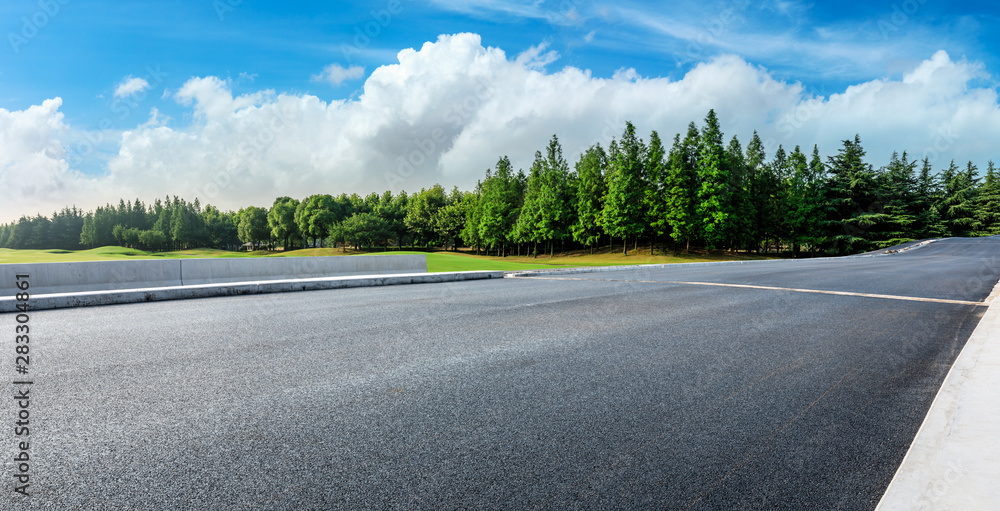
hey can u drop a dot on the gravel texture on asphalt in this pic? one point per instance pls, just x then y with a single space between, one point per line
627 390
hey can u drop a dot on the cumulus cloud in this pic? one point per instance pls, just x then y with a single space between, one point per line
34 175
131 86
447 111
335 74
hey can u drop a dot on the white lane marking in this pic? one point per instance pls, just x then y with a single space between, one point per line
773 288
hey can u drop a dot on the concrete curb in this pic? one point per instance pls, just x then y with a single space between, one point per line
109 297
86 276
954 459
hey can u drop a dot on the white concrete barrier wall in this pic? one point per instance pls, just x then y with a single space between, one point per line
49 278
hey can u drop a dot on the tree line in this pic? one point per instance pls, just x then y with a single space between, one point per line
701 192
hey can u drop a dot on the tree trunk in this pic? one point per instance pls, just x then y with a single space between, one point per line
625 245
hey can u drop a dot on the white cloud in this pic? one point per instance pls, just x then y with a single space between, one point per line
335 74
536 57
446 111
131 86
34 175
558 13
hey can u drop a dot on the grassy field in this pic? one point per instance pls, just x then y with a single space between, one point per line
436 261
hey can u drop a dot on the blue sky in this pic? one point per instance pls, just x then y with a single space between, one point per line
806 54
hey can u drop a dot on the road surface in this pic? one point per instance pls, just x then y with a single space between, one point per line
777 385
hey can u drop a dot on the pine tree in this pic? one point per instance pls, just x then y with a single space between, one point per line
526 229
740 207
501 199
927 217
556 200
590 196
850 197
655 196
897 184
775 226
760 188
622 214
802 197
988 203
681 185
958 203
714 193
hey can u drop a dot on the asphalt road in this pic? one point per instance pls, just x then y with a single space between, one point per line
641 389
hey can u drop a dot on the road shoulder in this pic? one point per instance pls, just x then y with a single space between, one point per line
954 460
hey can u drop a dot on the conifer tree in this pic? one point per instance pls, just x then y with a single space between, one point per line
501 203
714 193
988 204
654 198
622 214
590 196
681 186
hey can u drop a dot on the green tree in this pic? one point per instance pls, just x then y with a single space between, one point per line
316 214
364 230
802 191
421 214
762 185
527 228
450 219
558 211
152 240
958 204
742 214
852 206
714 193
928 222
281 220
473 212
252 226
590 196
681 186
655 190
988 203
500 206
219 227
623 213
896 186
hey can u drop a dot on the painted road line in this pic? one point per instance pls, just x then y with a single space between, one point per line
774 288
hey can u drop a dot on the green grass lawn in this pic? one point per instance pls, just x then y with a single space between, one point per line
107 254
436 261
